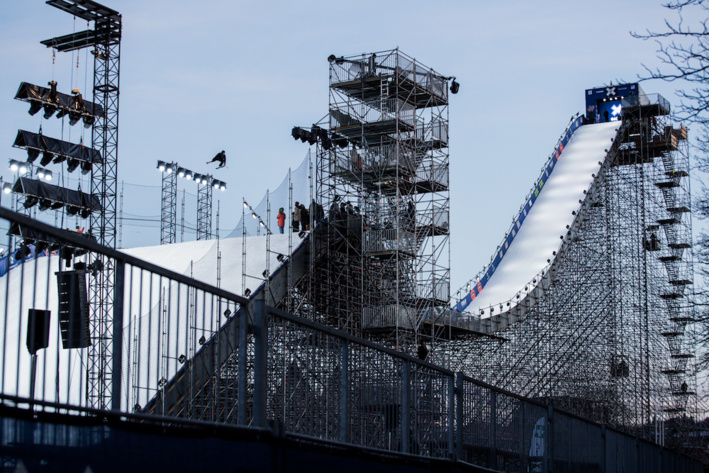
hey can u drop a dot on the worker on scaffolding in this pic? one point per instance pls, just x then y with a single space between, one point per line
220 158
281 219
422 351
296 217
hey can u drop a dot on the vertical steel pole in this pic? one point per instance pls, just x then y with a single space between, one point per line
117 331
243 329
451 417
459 415
493 430
260 361
344 391
405 390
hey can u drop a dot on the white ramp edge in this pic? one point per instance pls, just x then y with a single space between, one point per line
532 250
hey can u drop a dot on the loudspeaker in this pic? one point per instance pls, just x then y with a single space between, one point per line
37 330
73 309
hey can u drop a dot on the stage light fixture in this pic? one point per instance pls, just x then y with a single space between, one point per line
46 158
169 168
32 155
227 313
49 110
40 173
454 87
62 112
72 210
253 215
86 167
295 133
14 165
35 107
215 184
222 185
246 206
45 204
280 257
181 359
72 164
202 340
161 166
247 292
265 273
188 175
57 205
6 187
197 178
261 223
30 202
181 172
85 213
89 121
74 117
23 168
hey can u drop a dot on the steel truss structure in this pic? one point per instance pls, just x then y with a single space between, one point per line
381 263
105 39
610 335
204 208
168 206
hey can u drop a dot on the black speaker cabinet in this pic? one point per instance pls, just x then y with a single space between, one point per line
73 309
37 330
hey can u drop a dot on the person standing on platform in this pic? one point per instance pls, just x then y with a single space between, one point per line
304 218
281 219
296 217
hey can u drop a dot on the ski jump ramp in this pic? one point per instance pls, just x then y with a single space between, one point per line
516 275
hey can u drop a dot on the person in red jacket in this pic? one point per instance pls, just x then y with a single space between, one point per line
281 218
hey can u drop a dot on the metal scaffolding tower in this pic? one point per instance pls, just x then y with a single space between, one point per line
204 207
105 39
168 207
609 334
381 263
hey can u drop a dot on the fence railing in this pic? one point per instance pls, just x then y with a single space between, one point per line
186 350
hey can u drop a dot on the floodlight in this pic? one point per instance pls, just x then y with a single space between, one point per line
72 210
49 110
32 154
181 172
6 187
169 168
222 185
202 340
40 173
181 359
48 175
85 213
62 112
261 223
197 178
35 107
89 121
280 257
295 133
454 87
227 313
246 206
72 164
23 168
253 215
161 166
215 184
45 204
86 167
247 292
30 202
14 165
74 117
188 175
46 158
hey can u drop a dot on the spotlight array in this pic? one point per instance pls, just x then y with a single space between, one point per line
204 179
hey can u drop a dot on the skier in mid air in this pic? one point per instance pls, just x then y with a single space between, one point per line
220 158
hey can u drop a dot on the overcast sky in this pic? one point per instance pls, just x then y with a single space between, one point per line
199 77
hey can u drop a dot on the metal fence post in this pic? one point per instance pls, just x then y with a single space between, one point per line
260 361
405 390
244 321
521 432
549 441
344 391
604 449
459 415
493 429
117 332
451 417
